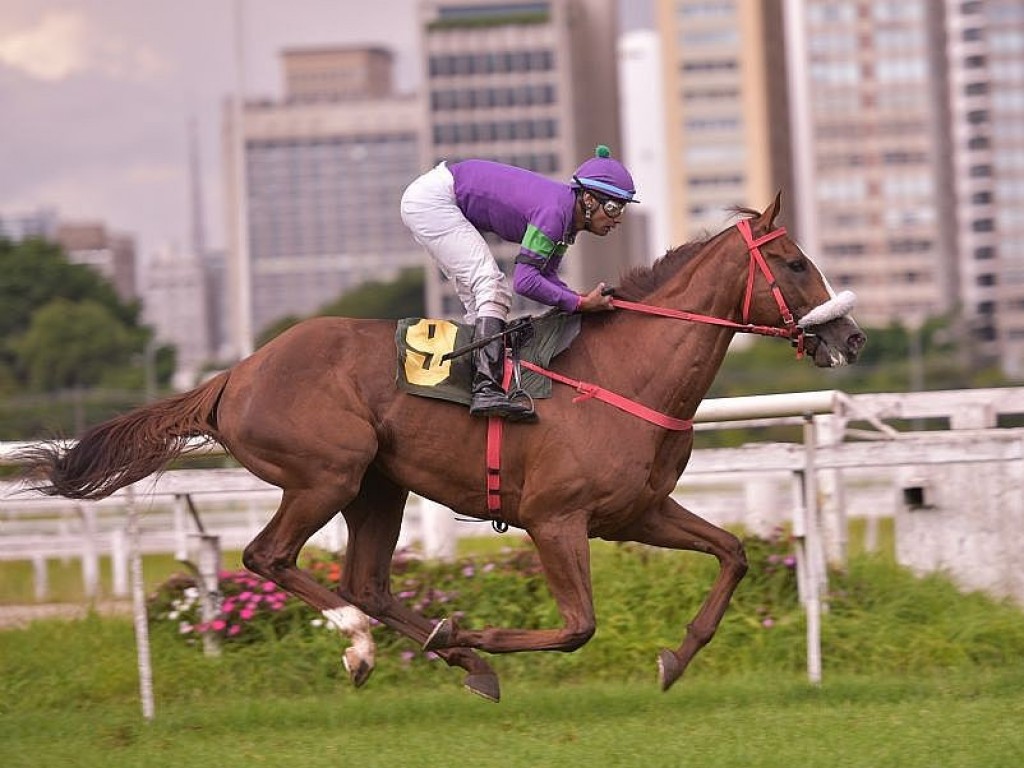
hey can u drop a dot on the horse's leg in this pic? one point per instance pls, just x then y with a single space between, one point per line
374 522
564 551
672 526
274 553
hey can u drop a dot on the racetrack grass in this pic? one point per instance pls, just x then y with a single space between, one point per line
915 674
967 718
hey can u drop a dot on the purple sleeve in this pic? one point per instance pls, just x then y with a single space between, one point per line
530 282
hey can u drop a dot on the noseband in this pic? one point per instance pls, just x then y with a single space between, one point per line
789 330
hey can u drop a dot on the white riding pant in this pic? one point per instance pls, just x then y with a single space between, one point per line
430 212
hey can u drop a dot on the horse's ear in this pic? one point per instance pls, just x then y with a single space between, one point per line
772 211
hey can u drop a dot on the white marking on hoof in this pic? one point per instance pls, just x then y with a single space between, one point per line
355 625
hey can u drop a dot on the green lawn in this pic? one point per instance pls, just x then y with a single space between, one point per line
915 674
756 720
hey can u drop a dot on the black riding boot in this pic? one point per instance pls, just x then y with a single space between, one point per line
489 399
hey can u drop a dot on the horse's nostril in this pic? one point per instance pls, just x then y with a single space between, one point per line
856 341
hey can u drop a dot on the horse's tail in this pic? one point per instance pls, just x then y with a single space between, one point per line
126 448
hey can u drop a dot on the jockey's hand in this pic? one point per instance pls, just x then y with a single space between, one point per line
596 301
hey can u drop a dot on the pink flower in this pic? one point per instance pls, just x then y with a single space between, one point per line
246 613
233 630
218 625
768 622
269 586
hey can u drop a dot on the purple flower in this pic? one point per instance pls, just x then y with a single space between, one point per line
768 622
790 561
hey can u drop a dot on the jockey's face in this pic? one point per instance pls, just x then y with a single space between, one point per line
605 212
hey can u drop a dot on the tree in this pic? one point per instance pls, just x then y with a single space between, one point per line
35 273
73 344
400 298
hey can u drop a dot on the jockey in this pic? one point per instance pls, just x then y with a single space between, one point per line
448 208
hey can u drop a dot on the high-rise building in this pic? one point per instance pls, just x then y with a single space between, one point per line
726 110
877 147
531 84
643 134
322 174
893 128
175 306
985 54
109 253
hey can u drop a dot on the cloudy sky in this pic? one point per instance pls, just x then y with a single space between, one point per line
97 96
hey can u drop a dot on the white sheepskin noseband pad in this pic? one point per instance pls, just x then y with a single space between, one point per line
836 307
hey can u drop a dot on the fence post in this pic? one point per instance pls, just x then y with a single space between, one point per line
41 577
810 561
139 611
829 431
437 530
119 563
90 554
208 573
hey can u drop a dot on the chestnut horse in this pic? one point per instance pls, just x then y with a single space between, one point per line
317 413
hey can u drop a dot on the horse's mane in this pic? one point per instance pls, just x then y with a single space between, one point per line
640 282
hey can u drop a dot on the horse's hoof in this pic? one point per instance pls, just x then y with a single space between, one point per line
669 668
358 669
442 636
485 686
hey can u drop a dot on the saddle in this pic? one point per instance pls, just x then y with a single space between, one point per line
427 368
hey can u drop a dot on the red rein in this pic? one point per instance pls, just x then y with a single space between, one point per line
588 391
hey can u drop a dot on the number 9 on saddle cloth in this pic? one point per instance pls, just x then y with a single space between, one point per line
432 363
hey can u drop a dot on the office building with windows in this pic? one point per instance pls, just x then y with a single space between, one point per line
726 111
986 97
313 208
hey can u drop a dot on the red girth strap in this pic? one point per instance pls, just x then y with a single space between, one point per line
495 425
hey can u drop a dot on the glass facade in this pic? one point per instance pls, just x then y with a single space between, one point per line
323 216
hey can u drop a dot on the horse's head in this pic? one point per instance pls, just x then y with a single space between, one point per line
785 285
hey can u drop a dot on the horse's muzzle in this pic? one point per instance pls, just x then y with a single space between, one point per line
835 343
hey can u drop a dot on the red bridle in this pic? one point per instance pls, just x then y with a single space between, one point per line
789 329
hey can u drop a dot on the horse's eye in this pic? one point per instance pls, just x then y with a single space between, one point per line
797 265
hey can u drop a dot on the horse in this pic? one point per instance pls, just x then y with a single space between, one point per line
317 413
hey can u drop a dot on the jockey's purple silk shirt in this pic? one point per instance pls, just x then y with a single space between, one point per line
523 207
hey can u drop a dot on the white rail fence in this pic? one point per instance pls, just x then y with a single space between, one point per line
955 495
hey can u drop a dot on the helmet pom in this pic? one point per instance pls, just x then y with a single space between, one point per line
602 151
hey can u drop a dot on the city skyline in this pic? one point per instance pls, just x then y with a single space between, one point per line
104 95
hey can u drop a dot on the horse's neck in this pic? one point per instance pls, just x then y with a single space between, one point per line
676 361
